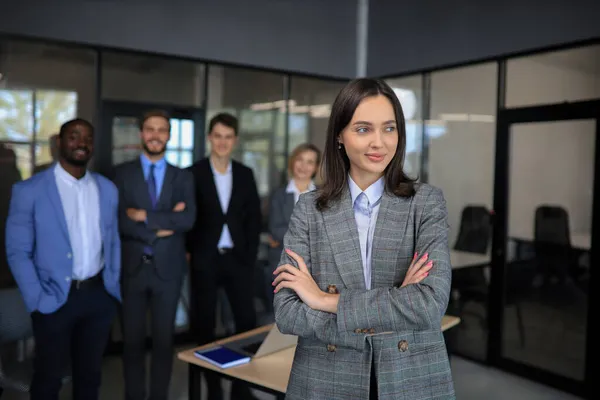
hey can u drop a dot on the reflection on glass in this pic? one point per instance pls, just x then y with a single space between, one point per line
549 238
311 98
172 157
175 133
554 77
186 159
187 134
42 154
52 109
409 92
126 139
16 119
461 163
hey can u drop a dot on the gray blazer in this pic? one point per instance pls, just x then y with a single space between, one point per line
399 329
280 213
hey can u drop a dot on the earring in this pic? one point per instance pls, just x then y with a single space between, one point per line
339 146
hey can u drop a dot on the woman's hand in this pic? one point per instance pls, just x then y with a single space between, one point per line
301 281
418 270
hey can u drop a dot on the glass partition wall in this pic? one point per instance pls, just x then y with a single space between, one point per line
512 143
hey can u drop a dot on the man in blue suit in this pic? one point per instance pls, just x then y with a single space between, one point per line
63 248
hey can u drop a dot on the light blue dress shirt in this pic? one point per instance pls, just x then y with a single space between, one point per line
224 184
160 168
366 208
80 199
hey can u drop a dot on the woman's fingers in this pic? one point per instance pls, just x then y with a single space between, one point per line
299 260
286 268
284 276
284 284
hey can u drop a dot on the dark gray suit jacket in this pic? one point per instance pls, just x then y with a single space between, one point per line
397 329
281 206
169 252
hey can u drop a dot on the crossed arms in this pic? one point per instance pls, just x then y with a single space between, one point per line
418 305
147 226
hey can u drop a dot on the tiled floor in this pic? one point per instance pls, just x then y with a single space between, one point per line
472 381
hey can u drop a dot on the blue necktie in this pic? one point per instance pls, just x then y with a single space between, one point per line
152 186
151 182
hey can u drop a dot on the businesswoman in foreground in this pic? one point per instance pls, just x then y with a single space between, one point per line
364 278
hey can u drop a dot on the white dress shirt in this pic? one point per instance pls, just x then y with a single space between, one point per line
292 188
81 205
224 184
366 208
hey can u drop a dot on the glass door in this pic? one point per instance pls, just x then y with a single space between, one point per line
121 143
544 259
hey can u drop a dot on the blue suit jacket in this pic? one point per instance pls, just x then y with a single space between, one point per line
38 247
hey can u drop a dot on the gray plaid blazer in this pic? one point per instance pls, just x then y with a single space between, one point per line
397 329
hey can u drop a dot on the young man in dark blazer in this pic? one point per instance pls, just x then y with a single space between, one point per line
224 241
157 208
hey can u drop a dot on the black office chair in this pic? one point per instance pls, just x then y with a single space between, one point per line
555 257
475 230
474 236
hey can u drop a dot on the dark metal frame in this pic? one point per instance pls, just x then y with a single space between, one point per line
506 118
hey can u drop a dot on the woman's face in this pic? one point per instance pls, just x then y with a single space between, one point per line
305 166
370 139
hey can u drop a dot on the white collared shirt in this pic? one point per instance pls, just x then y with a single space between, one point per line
81 205
366 218
224 184
292 188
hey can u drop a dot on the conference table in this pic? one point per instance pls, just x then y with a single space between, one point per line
268 374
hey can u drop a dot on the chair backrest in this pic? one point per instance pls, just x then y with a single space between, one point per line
475 229
552 225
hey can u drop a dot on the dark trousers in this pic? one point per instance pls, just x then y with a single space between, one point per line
238 281
80 330
142 292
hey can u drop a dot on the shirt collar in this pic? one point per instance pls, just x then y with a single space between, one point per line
373 192
292 188
158 165
215 172
67 177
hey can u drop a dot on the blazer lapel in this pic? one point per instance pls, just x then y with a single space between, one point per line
104 206
167 187
388 238
342 232
140 187
54 195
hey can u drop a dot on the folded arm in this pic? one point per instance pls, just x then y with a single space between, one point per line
176 221
291 314
20 244
412 307
129 229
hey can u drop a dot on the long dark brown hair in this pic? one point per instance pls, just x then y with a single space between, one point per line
336 164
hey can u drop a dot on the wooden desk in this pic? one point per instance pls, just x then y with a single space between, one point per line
465 259
268 374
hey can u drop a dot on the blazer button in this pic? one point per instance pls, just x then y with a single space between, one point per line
365 331
330 348
358 330
371 331
403 345
332 289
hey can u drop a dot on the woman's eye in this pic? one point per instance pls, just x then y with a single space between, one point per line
390 129
362 130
